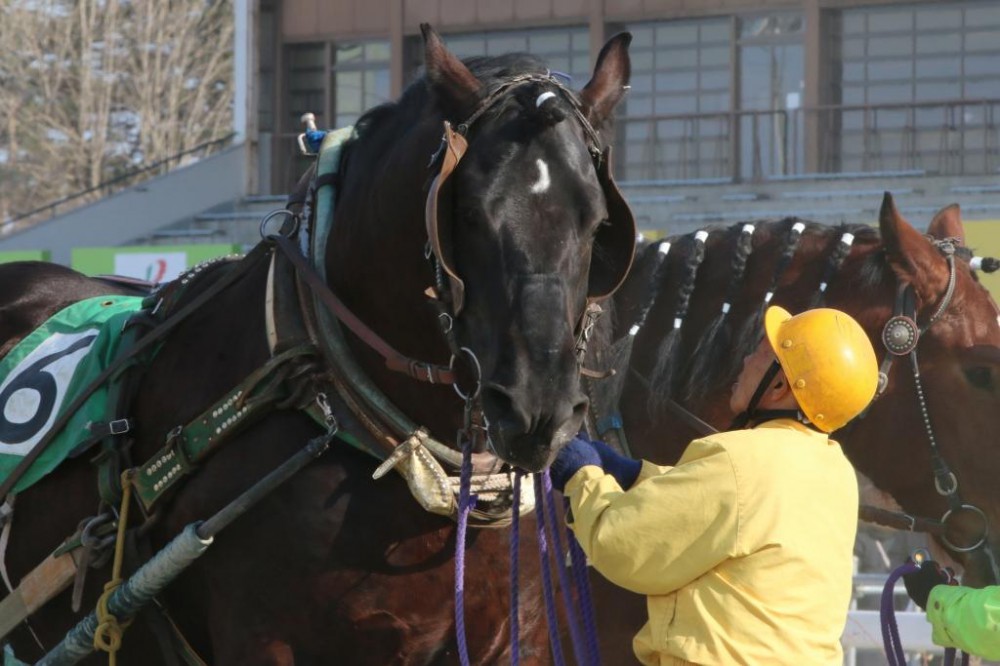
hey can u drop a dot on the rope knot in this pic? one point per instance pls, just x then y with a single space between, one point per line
109 632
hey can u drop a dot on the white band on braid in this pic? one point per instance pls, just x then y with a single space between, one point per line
664 247
748 229
798 227
701 236
976 263
847 238
544 97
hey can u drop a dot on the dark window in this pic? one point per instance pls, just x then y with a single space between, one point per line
681 70
923 71
360 79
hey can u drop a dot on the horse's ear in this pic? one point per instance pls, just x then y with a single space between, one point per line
610 81
456 88
912 258
947 223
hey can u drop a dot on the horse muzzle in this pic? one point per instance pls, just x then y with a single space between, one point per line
527 431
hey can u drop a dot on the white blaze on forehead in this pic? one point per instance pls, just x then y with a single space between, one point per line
543 182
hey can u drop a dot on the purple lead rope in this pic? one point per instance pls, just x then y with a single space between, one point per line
887 614
890 630
580 649
465 502
543 556
579 563
515 542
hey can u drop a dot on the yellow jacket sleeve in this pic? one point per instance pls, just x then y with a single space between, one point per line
674 525
966 618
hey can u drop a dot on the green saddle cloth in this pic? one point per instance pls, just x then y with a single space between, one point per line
43 373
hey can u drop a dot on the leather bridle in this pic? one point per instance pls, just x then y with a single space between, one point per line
900 337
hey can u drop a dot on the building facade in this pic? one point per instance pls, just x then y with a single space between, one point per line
722 90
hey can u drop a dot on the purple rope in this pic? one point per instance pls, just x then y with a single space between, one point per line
465 502
890 630
887 614
579 563
515 582
543 556
552 523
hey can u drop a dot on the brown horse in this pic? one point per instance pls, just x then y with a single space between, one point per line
333 567
690 350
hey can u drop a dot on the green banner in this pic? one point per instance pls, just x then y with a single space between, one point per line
23 255
156 263
47 370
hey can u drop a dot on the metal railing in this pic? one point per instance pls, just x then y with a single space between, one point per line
954 137
112 185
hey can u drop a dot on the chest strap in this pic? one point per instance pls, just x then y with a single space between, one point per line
284 382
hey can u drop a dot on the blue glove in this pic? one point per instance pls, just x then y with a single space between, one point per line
578 453
624 469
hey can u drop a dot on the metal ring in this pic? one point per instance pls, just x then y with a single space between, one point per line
950 513
87 538
447 322
479 375
273 214
952 480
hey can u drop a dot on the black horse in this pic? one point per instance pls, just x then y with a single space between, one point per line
333 567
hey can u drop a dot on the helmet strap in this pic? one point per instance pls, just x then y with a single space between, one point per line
750 414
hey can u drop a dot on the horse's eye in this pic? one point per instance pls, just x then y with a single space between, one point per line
980 377
597 227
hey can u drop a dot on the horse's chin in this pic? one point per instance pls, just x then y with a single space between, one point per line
532 451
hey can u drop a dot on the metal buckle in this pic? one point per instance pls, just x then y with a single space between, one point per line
119 426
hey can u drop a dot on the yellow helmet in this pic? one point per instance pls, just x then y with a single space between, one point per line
828 361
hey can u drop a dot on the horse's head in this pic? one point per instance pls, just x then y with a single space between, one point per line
528 228
959 364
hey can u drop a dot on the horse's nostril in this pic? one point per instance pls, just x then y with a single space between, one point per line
501 401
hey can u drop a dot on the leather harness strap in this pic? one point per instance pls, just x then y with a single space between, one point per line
394 360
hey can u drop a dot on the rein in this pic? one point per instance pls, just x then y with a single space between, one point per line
394 360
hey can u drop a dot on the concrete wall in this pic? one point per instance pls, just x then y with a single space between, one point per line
321 19
139 210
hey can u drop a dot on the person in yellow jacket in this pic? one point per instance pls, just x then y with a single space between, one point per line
960 617
744 549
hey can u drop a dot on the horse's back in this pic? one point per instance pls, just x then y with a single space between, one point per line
33 291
